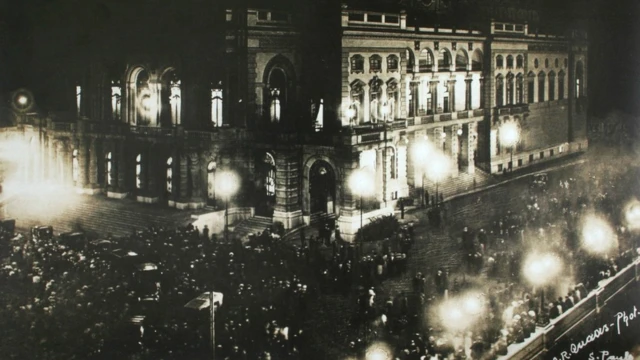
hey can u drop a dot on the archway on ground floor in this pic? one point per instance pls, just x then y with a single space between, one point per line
322 188
265 184
319 186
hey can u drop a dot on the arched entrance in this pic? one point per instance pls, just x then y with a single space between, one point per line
265 184
322 188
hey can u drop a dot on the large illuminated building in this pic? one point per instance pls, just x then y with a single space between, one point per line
295 99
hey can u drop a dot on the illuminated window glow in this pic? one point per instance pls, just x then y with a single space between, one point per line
139 171
175 102
116 101
79 100
109 169
169 175
275 107
216 107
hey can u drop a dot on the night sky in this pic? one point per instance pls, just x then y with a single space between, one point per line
42 37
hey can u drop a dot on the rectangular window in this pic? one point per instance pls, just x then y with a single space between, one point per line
561 88
519 162
531 156
446 104
541 90
531 92
508 27
552 89
394 195
551 152
391 19
374 18
279 16
541 154
499 167
216 107
263 15
356 17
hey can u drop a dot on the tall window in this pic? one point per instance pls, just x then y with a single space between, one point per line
579 79
357 102
175 101
392 63
79 100
510 89
426 61
519 61
170 175
552 86
216 107
139 171
393 98
357 64
519 89
109 169
270 179
275 107
211 181
375 98
499 90
393 165
541 86
444 60
318 113
375 63
561 85
75 166
499 61
531 88
462 60
509 62
116 101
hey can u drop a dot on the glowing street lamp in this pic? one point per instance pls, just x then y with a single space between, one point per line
378 352
227 184
438 168
361 184
540 269
598 237
459 313
510 136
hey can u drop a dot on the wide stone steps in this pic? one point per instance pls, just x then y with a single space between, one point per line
256 224
93 214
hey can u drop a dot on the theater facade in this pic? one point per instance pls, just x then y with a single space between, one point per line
294 103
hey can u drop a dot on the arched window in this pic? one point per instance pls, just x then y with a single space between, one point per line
211 181
552 86
393 165
175 101
146 106
116 101
392 63
277 94
426 60
499 90
393 98
536 63
375 64
270 179
476 60
170 175
510 89
216 107
357 64
531 94
519 61
139 171
109 162
561 85
170 99
357 102
499 62
579 79
462 60
444 60
541 86
75 166
519 89
375 100
509 62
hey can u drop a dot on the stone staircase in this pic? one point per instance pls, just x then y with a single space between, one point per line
93 214
251 225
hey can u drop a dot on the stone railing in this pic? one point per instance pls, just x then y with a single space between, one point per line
153 131
543 339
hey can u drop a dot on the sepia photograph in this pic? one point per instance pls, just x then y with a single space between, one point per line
319 180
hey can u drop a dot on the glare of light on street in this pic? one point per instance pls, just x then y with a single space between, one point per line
632 215
378 351
541 268
598 237
227 183
509 133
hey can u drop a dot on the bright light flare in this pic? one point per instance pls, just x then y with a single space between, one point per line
540 268
598 237
438 166
378 351
22 100
227 183
14 150
361 182
509 133
459 313
632 215
147 103
421 150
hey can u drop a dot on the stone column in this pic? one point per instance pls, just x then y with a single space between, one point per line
482 92
183 184
288 209
93 185
467 94
472 143
198 191
433 86
452 133
452 95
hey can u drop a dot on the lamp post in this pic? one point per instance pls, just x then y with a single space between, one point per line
437 168
510 136
361 183
540 269
227 183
